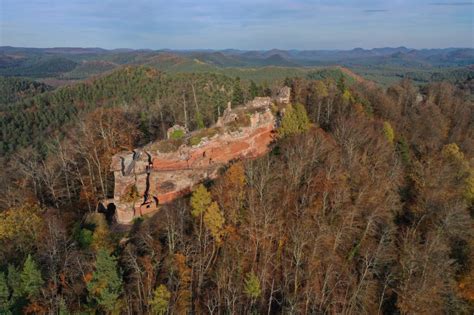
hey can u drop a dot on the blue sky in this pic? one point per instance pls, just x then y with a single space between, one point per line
244 24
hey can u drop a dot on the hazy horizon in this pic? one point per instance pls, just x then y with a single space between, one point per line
245 25
231 48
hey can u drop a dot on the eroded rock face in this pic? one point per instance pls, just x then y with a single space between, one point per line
160 177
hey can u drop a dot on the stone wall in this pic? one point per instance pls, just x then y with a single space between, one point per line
161 177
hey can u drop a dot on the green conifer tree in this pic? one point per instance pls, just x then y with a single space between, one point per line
301 118
288 123
295 120
14 282
199 121
253 89
4 295
237 94
106 284
31 280
63 307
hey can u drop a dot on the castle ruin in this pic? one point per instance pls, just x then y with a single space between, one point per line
165 170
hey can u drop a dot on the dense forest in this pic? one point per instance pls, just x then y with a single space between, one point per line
14 89
154 98
364 205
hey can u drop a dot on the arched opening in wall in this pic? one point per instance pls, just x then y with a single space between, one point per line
108 211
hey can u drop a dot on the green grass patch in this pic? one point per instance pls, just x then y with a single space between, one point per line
177 134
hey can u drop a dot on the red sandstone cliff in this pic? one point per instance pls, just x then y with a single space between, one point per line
165 170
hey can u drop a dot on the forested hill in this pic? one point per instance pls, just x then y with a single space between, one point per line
59 66
156 98
15 89
364 204
144 92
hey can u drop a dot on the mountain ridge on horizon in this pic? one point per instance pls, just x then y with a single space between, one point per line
230 50
254 57
76 63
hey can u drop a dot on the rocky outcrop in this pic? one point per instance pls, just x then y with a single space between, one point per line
165 170
283 95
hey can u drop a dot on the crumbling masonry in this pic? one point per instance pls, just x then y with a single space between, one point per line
165 170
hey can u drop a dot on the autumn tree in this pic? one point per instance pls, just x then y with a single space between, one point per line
252 286
229 191
388 131
99 136
200 201
320 92
20 227
160 302
183 298
214 221
210 217
100 239
294 121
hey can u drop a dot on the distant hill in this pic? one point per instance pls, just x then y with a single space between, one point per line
278 60
218 59
383 65
10 61
89 68
37 68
